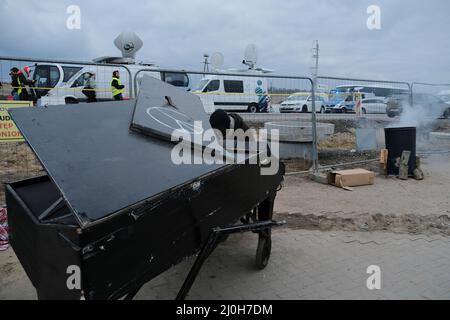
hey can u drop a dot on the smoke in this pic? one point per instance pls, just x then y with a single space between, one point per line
418 116
424 118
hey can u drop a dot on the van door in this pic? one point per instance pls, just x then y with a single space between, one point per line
234 97
78 86
210 95
47 77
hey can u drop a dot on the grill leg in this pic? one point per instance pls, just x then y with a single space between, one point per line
210 245
201 258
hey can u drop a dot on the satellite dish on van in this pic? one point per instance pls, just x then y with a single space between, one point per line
128 43
250 56
217 60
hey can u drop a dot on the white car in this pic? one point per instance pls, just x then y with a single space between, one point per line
302 102
374 105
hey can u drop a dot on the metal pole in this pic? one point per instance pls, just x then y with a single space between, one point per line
315 155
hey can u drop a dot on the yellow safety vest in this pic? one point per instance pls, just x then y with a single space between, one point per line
19 90
116 91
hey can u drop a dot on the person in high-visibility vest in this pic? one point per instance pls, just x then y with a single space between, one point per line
19 81
116 86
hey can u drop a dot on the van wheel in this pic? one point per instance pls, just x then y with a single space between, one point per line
71 101
305 109
253 108
344 110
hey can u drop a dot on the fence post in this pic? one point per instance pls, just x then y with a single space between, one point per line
315 156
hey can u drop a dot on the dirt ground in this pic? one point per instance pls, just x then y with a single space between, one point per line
17 162
340 140
390 204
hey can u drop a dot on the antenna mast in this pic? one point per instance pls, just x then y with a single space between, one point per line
205 63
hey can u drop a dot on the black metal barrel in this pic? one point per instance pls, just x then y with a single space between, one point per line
399 140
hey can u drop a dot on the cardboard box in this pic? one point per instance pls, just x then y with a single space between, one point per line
384 156
351 178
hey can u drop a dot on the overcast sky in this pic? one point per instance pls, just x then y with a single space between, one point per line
413 43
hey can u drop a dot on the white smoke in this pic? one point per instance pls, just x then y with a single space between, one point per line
424 118
417 116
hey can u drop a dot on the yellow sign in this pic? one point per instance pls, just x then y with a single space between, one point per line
8 130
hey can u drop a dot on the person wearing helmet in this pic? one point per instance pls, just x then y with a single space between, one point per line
27 71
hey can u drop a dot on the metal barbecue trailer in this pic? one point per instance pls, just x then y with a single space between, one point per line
114 205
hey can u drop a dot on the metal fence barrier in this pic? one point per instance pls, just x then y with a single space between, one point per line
264 101
347 125
358 109
430 108
17 162
57 82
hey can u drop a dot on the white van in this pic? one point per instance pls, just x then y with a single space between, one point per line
63 83
234 93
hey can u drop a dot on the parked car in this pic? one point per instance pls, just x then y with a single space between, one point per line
334 98
302 102
348 104
396 103
373 105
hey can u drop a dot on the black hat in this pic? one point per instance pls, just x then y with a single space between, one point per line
220 120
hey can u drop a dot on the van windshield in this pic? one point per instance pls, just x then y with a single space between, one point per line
176 79
201 85
298 97
69 72
338 96
46 76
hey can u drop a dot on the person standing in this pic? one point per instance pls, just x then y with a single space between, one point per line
89 87
116 86
18 82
